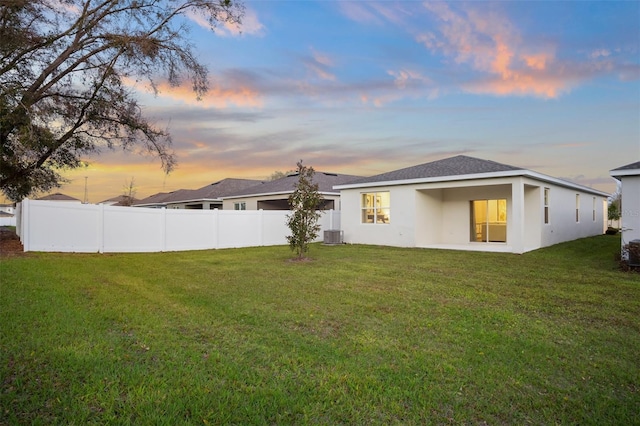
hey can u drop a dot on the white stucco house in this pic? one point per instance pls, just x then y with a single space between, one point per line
629 176
467 203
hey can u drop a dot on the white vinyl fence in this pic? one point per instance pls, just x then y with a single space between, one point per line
7 221
71 227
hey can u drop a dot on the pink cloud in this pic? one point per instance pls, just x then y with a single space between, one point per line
404 77
359 12
320 64
216 97
250 24
491 45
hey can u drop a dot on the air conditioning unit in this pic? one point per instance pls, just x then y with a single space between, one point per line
333 236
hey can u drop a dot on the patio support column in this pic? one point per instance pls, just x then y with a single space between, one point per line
516 235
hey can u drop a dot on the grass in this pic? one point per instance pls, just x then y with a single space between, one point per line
360 335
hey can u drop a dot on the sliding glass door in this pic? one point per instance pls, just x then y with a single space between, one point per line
489 221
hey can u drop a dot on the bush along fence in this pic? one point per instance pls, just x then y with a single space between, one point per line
88 228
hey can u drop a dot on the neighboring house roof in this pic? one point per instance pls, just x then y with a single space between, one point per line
222 188
632 169
326 182
5 214
460 167
58 197
214 191
120 200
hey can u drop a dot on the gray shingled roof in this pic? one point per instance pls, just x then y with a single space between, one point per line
213 191
58 197
325 182
120 200
631 166
222 188
453 166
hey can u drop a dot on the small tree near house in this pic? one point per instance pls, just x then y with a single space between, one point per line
613 212
129 192
303 220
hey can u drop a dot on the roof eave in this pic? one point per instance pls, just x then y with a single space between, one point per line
195 200
452 178
269 194
476 176
628 172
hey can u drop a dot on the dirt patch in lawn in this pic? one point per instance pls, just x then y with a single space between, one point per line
10 244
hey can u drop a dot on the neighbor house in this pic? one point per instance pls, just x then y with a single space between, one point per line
206 198
120 201
274 195
59 197
629 177
469 204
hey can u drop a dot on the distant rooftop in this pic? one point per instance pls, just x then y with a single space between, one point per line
213 191
58 197
325 181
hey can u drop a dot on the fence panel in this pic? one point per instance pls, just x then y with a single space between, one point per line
60 226
275 229
190 229
7 221
240 228
74 227
129 229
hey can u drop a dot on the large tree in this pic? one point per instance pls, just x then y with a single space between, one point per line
66 68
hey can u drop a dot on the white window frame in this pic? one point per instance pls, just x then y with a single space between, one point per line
545 213
373 208
480 232
240 205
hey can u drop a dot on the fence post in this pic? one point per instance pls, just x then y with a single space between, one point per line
26 243
101 230
261 219
216 228
163 221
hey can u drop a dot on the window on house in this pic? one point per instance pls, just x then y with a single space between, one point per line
240 206
593 210
376 207
577 207
489 221
546 205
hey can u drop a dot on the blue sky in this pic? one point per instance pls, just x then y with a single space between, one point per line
365 87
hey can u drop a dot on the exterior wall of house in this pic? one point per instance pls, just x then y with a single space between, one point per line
439 215
422 215
251 203
563 225
630 211
7 208
533 216
196 205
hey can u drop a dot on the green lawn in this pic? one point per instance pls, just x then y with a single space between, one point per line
359 335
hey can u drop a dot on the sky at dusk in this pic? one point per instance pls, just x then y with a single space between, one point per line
362 88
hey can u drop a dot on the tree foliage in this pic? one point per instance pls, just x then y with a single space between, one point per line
614 208
129 191
66 71
279 174
303 220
